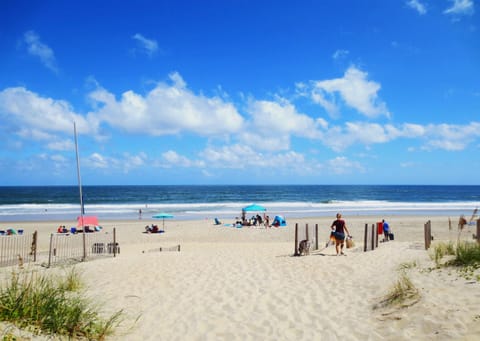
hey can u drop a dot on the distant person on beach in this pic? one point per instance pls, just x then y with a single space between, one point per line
140 214
386 231
339 227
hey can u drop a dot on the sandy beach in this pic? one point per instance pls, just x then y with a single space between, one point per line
244 284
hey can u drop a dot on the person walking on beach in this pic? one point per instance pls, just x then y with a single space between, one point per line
339 227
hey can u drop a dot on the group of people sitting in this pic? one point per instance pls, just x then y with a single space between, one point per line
255 220
73 230
10 232
153 229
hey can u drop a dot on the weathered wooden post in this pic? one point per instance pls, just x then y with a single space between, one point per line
478 231
316 236
50 251
114 242
296 240
373 237
34 246
84 245
365 238
428 234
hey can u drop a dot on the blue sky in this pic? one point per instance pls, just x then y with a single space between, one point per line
240 92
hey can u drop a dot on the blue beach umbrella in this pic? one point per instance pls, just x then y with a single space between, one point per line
254 208
163 216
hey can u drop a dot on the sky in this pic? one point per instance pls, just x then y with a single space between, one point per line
240 92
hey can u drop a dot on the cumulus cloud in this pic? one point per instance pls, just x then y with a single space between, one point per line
272 123
40 118
460 7
109 164
451 137
38 49
354 89
167 109
434 136
417 6
239 156
148 46
342 165
173 159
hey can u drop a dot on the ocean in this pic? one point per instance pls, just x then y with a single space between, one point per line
62 203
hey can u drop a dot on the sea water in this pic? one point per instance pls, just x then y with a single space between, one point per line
226 202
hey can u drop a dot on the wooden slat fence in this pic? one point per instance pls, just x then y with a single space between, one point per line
81 246
18 249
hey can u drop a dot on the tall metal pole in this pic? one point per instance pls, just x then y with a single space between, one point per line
82 210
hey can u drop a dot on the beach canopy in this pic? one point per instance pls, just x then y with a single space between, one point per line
279 221
254 208
87 220
163 216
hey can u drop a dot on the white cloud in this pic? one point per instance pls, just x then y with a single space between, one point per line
38 49
451 137
341 165
272 123
240 157
354 89
417 6
340 54
149 46
61 145
461 7
168 109
110 164
172 158
41 118
435 136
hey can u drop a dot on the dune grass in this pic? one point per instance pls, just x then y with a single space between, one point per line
402 294
53 305
464 253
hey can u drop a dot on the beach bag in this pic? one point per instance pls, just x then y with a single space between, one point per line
391 236
350 243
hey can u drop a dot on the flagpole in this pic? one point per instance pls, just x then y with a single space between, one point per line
82 209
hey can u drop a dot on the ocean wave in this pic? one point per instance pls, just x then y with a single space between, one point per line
231 209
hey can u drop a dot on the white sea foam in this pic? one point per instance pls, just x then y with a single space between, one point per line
232 209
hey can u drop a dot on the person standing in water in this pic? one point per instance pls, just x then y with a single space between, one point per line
339 227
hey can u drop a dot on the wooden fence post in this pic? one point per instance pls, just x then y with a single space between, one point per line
373 237
365 238
296 240
316 236
428 234
33 248
50 251
84 245
478 231
114 242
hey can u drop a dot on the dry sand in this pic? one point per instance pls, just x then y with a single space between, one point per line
244 284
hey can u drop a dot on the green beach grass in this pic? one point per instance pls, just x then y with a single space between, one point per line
46 304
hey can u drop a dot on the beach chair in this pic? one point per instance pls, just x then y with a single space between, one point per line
217 222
